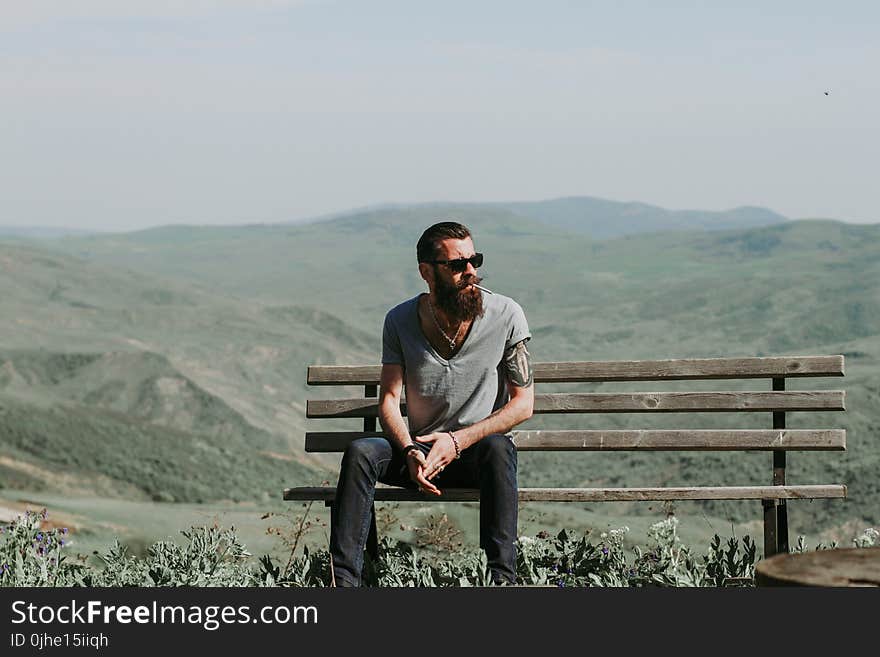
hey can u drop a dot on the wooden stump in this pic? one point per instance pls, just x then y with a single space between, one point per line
840 567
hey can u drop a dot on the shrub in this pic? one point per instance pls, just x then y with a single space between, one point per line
32 556
211 556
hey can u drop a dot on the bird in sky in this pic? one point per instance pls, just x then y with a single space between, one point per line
826 93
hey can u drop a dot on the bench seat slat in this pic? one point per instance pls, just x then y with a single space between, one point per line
620 440
628 402
633 370
390 494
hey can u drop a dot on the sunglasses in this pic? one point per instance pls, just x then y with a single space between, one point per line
460 264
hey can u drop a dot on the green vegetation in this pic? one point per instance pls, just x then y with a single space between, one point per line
126 457
211 556
169 364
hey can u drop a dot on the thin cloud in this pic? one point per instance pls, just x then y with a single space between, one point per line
37 12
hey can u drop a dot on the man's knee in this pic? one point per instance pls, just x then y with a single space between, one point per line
365 453
497 449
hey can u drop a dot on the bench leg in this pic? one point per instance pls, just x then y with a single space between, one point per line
782 527
373 535
770 528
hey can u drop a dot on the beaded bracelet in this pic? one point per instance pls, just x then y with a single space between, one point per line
455 443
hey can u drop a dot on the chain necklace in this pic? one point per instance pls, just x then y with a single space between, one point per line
451 340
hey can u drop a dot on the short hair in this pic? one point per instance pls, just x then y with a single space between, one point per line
426 249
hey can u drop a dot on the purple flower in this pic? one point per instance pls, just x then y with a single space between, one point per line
64 530
62 542
39 537
604 550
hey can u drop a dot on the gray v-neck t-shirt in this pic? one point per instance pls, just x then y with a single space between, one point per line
446 395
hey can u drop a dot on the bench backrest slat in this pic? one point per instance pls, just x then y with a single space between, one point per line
627 370
625 440
629 402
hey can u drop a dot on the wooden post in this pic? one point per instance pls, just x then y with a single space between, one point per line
769 527
373 535
779 476
775 512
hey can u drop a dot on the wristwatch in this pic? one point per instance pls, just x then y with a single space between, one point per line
409 448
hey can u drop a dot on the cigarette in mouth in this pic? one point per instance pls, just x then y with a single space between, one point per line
484 289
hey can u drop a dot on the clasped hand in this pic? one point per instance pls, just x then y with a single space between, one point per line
424 468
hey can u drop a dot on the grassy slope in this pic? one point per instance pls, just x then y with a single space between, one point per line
134 383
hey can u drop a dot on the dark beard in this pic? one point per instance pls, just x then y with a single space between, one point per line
459 304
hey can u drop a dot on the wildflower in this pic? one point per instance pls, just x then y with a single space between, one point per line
604 550
868 538
64 530
39 537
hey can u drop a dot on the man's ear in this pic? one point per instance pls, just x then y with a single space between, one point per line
426 271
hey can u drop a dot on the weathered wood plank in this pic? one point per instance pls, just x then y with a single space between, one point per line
691 368
638 402
630 440
667 402
594 494
684 440
627 370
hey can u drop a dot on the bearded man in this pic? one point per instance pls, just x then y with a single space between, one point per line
460 354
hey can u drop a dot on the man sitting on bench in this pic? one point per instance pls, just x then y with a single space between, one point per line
460 352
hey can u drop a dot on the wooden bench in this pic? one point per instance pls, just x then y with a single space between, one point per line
778 439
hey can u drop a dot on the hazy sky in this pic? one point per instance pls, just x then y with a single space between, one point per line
120 114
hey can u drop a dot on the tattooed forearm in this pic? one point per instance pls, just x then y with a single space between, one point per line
518 364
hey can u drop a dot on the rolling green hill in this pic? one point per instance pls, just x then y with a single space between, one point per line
127 384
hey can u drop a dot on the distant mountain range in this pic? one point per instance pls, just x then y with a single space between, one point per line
41 232
602 219
596 217
583 215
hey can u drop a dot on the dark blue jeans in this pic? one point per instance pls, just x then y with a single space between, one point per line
489 465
